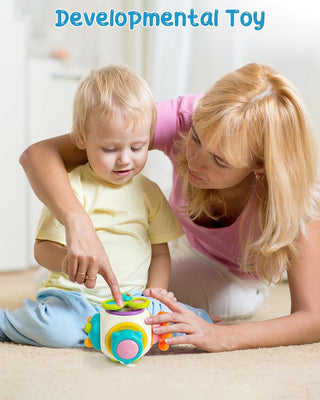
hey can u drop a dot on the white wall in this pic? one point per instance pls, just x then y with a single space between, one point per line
13 203
188 59
36 95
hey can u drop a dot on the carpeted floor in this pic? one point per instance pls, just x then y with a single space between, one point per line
30 373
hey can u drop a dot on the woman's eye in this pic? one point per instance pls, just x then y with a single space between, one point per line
195 139
194 136
218 163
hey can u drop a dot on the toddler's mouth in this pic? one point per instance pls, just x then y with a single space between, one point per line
123 172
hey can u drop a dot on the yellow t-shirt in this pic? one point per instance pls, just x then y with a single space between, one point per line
127 219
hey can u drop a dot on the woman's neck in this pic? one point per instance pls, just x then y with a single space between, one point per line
236 197
234 200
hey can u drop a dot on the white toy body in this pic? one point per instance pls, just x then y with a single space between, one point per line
120 332
124 336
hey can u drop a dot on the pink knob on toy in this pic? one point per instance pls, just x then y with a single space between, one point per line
127 345
127 349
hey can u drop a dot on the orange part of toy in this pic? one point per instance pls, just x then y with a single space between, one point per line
162 345
87 343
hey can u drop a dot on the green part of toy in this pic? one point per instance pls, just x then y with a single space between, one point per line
128 301
88 327
139 302
110 305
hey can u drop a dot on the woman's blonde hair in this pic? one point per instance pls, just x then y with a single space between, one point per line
258 118
109 90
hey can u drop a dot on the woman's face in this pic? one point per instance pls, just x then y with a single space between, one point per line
208 169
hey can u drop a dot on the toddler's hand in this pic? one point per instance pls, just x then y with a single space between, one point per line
170 295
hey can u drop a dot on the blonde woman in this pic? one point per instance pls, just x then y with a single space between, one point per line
245 191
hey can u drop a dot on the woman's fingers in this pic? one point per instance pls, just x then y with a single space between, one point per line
71 265
83 264
87 257
108 275
177 318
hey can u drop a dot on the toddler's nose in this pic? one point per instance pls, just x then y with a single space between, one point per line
123 158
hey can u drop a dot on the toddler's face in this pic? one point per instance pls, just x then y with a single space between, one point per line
116 152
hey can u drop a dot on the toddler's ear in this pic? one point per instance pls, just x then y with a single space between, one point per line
80 141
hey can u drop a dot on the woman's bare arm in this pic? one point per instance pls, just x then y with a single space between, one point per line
45 164
50 255
300 327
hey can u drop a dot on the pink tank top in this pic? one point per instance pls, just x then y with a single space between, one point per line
219 244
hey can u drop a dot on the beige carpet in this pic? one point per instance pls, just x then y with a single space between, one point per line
183 372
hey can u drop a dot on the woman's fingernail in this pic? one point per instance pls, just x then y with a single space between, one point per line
148 320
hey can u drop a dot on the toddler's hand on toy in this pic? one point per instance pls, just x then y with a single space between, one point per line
164 292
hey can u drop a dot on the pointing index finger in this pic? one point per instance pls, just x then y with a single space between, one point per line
112 282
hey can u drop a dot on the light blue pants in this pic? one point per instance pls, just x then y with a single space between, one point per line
57 319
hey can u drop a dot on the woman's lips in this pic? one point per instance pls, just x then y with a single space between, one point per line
193 174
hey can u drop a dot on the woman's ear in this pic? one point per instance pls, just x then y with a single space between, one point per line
259 170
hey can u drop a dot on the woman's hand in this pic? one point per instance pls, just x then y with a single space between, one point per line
86 257
208 337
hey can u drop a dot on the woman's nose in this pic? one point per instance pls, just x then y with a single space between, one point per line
195 161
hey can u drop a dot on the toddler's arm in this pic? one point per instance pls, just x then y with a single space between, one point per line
160 267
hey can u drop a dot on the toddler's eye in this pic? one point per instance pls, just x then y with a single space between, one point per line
108 150
136 148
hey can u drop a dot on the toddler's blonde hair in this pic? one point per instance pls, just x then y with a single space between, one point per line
109 90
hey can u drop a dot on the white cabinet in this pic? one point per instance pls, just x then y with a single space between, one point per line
51 87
